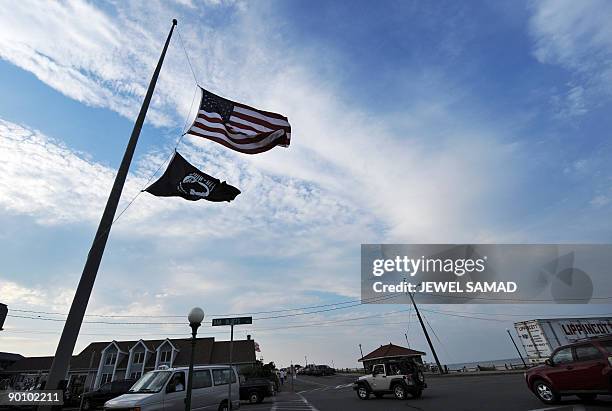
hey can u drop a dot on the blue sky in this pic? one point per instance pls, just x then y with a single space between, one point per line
412 121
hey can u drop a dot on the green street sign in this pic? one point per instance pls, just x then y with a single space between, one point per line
232 321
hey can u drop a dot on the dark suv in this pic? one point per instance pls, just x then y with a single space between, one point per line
583 368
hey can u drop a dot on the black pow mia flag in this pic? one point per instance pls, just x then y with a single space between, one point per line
184 180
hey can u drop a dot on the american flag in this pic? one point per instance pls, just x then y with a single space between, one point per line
238 126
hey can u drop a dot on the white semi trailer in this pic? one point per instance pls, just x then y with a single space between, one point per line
541 337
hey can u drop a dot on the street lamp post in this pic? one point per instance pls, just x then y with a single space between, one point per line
517 349
195 317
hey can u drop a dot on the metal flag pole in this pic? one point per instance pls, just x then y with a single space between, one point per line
73 323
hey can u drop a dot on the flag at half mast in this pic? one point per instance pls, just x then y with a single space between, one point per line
238 126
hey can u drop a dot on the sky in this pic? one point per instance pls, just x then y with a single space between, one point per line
412 122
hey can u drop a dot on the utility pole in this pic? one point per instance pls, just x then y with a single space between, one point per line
91 360
517 349
426 334
362 363
70 333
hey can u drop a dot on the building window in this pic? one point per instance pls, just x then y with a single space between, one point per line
106 378
165 356
110 358
135 375
138 357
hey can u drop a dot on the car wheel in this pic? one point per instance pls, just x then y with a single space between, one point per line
86 405
544 392
254 397
587 397
223 406
363 393
378 394
399 391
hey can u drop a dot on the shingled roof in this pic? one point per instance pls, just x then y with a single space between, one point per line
31 364
391 350
208 351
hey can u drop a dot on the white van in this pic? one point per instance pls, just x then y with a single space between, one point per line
165 389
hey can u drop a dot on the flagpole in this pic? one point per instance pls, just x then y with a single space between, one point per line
67 341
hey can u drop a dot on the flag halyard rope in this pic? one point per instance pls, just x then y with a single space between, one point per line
195 77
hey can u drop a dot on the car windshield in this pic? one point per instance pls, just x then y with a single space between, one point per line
153 381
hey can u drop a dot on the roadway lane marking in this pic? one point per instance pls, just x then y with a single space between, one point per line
327 387
312 408
300 404
562 407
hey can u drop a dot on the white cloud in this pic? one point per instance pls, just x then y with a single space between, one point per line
577 36
395 181
39 175
37 296
347 178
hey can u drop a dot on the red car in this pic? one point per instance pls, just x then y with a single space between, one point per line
583 368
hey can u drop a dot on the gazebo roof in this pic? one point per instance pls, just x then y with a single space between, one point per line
389 351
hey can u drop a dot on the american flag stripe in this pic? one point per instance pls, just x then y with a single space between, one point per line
214 122
243 118
250 128
266 113
243 128
238 126
203 126
249 148
266 120
238 121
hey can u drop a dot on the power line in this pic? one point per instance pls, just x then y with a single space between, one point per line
360 301
540 300
343 320
437 338
462 316
383 324
335 323
182 323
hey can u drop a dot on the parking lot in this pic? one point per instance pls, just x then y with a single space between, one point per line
490 392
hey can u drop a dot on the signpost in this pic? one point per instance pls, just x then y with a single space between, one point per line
217 322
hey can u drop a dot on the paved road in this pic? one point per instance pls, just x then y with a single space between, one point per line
493 392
